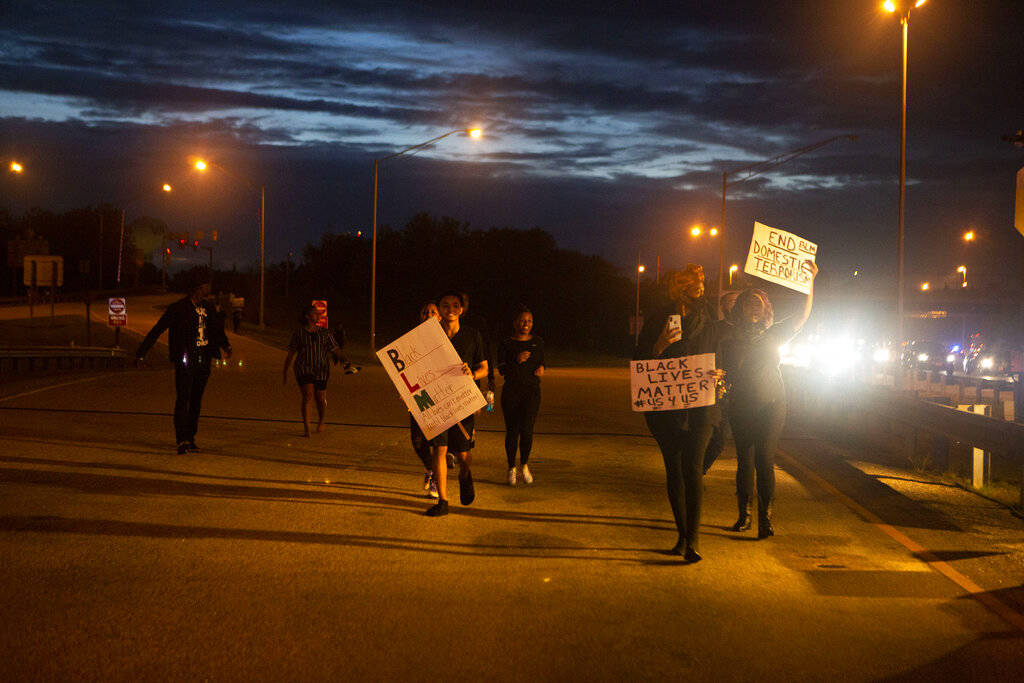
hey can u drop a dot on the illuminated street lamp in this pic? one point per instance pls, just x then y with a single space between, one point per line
201 165
969 236
636 319
16 167
167 187
476 134
925 286
904 10
697 231
963 271
732 269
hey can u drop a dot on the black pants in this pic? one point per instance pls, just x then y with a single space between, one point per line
519 405
420 444
189 385
682 449
757 431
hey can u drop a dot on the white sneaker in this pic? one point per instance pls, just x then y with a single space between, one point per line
432 490
527 477
512 476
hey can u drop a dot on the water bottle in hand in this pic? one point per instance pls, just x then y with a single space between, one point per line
490 401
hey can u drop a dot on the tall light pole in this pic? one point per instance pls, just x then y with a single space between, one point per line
754 170
636 319
201 165
904 10
474 133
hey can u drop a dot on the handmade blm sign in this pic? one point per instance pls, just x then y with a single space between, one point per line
427 372
778 256
672 383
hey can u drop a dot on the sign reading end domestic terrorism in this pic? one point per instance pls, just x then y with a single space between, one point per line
427 372
778 256
672 383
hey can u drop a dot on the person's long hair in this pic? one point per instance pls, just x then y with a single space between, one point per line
752 294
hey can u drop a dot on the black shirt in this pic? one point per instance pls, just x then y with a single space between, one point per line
514 372
195 333
311 352
751 362
470 346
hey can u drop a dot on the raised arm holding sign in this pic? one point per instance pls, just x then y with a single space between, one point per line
778 256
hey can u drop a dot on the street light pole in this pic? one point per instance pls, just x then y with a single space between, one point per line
636 317
473 133
263 213
903 181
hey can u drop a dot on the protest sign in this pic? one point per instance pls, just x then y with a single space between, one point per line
778 256
672 383
427 372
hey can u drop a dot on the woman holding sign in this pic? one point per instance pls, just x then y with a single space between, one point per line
757 397
428 449
687 326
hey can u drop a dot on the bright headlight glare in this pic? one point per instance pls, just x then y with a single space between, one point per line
950 358
922 357
987 363
880 356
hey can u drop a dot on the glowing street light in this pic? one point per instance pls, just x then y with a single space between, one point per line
903 8
969 236
732 269
925 286
16 167
167 187
476 134
201 166
696 231
636 318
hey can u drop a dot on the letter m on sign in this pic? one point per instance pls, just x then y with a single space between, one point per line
423 400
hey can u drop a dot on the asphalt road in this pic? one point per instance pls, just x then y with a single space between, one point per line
269 556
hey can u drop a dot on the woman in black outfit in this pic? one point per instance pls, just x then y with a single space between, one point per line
521 364
683 435
757 397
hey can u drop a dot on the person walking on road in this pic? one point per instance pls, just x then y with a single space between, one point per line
521 364
195 338
469 345
683 435
427 450
757 396
310 348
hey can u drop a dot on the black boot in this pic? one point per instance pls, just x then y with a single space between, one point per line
764 521
743 523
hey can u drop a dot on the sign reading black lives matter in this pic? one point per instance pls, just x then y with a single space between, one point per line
672 383
427 372
778 256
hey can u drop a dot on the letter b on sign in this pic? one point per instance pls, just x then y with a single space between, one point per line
393 355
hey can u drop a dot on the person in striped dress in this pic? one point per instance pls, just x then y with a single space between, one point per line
311 347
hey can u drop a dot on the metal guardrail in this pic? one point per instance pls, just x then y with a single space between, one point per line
31 358
878 412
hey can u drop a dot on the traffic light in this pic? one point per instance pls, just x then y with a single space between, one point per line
195 245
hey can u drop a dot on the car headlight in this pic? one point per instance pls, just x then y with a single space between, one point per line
950 358
922 357
987 363
880 356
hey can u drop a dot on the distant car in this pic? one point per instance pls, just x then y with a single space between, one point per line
992 359
927 355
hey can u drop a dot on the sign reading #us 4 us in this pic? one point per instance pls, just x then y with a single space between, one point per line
778 256
672 383
427 372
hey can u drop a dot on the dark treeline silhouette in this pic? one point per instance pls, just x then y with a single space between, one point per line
89 239
579 301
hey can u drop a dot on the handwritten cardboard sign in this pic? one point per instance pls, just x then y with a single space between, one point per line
672 383
777 256
427 372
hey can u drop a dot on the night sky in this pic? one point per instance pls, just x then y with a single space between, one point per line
609 125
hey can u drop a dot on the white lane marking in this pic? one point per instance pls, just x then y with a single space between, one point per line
52 386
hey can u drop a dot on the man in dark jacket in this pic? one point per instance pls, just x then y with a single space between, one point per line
195 337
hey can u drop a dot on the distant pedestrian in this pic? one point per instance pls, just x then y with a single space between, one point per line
683 435
757 397
521 364
237 304
427 450
311 347
195 337
469 346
